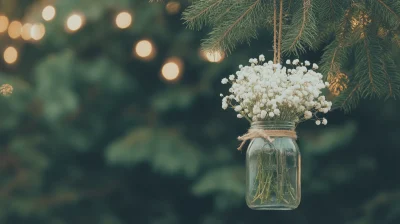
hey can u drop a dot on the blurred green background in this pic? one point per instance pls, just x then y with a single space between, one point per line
94 134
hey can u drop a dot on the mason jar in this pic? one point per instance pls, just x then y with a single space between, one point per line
273 169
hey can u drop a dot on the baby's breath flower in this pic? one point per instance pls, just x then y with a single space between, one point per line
238 108
268 91
317 122
263 114
271 114
315 66
307 114
324 121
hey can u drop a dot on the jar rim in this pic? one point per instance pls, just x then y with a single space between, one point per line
285 125
272 122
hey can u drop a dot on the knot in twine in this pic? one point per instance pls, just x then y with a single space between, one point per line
267 134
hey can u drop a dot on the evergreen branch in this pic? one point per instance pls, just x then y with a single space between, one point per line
348 99
289 5
333 59
280 30
349 96
389 81
368 54
306 7
389 12
369 68
302 31
227 10
191 19
388 8
236 22
200 13
239 24
332 9
392 76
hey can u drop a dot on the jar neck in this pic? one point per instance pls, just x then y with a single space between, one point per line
273 125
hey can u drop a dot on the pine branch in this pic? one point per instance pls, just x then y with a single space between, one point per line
369 68
333 59
200 13
307 5
348 99
303 30
240 24
392 76
388 8
389 80
388 11
369 60
229 30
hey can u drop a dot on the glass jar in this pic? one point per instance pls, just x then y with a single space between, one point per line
273 169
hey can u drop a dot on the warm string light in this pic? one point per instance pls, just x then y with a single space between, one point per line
3 23
212 56
26 31
48 13
74 22
10 55
172 69
173 7
14 29
144 49
37 31
337 83
123 20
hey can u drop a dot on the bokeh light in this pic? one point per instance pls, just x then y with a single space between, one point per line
26 31
14 30
172 69
212 56
173 7
10 55
123 20
37 31
48 13
74 22
3 23
144 49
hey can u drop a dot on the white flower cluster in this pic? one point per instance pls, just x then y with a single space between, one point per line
267 91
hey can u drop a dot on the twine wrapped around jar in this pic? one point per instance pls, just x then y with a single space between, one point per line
267 134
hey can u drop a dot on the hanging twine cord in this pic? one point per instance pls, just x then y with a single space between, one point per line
275 37
267 134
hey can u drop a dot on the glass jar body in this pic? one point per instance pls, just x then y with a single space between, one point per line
273 170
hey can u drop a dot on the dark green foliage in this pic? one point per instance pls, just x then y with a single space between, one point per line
92 135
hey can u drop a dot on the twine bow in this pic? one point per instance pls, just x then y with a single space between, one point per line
267 134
